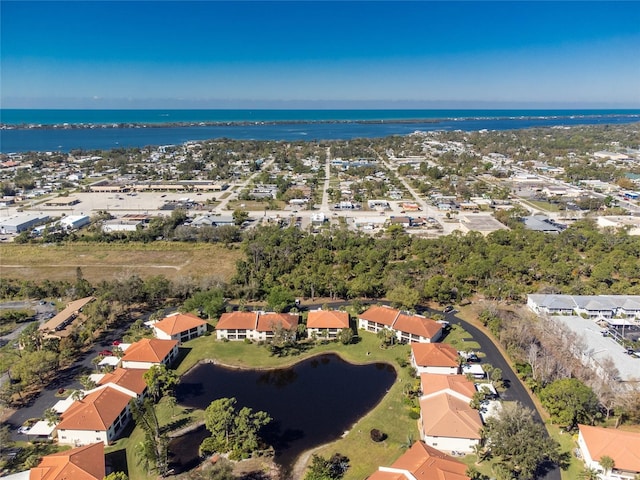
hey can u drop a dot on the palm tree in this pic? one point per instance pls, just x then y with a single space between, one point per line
607 463
590 474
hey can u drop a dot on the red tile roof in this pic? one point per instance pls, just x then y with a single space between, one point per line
434 354
434 383
237 321
97 411
83 463
327 319
623 447
417 325
266 321
424 463
380 314
447 416
151 350
129 378
178 323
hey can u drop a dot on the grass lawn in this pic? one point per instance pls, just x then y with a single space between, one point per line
568 443
460 339
390 415
255 205
103 261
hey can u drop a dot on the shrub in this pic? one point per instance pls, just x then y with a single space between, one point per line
377 435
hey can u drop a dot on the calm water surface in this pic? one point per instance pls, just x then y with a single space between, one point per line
311 403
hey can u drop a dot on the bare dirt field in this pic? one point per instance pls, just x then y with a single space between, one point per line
108 261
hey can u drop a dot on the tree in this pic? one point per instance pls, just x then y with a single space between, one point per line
569 402
210 302
607 463
279 298
345 336
387 336
117 476
404 296
327 469
521 444
590 474
240 216
51 416
232 430
160 381
154 449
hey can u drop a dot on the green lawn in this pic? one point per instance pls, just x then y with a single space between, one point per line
390 416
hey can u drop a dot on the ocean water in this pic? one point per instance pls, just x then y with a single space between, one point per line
32 130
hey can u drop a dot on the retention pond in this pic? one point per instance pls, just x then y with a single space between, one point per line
312 403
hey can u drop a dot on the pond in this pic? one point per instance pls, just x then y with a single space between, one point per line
312 403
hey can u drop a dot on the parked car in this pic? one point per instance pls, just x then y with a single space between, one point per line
106 353
448 309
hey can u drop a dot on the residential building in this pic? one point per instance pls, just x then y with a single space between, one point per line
132 379
448 423
438 358
258 326
148 352
57 325
326 323
408 328
82 463
423 462
621 446
99 417
180 326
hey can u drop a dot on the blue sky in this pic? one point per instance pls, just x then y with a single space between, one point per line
206 54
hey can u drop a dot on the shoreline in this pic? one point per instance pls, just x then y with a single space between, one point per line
249 123
300 462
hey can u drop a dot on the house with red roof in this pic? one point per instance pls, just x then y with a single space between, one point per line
180 326
82 463
447 422
423 462
621 446
326 323
148 352
439 358
408 328
257 326
99 417
132 379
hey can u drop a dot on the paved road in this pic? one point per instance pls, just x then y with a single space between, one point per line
515 390
67 379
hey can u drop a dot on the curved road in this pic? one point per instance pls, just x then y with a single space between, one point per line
515 391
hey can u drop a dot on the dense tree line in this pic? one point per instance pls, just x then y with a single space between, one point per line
504 265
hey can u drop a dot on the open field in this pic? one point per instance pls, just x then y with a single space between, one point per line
105 261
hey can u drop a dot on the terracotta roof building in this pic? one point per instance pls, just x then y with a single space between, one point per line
83 463
408 328
180 326
456 385
130 378
422 462
258 326
440 358
326 323
148 352
449 423
623 447
98 417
